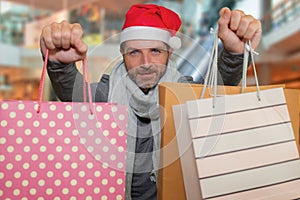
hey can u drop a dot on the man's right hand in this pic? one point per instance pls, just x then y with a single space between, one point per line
64 41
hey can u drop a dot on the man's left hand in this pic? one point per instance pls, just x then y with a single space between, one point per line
235 28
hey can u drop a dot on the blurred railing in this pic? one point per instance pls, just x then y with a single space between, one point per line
284 12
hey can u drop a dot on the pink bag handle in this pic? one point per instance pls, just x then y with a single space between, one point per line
86 80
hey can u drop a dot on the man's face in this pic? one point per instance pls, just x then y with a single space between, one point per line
145 61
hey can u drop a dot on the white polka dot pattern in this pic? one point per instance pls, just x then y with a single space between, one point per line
63 152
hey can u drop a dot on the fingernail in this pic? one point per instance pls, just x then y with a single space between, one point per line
225 13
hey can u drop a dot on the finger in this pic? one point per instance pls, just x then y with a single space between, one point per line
224 20
243 26
76 33
76 39
236 16
46 38
65 35
56 34
253 33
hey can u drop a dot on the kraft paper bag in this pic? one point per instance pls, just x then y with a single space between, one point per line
170 179
243 148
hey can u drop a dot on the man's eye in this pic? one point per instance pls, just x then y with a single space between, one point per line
134 52
157 51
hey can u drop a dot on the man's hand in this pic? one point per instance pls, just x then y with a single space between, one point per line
64 42
235 28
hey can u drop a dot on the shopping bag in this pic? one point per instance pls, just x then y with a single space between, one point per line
243 144
242 148
170 177
62 150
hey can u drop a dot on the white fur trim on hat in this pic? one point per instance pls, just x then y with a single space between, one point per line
150 33
175 42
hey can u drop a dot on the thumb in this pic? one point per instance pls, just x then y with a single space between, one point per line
81 47
224 21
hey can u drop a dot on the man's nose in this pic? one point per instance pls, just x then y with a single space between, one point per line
145 59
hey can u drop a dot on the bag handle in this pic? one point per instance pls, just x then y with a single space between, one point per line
86 81
212 71
248 50
212 75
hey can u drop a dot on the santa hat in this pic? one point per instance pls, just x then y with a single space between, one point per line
151 22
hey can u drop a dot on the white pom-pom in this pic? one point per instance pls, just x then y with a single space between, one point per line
175 42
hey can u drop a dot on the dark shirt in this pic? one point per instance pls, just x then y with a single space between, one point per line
143 185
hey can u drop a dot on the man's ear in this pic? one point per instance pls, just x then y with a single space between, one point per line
171 51
121 51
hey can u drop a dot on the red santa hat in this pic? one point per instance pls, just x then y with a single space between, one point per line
151 22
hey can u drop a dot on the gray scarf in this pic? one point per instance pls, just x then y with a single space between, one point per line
124 91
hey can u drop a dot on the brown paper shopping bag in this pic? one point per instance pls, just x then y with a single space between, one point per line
170 178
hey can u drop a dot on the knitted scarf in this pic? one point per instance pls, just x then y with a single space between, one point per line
124 91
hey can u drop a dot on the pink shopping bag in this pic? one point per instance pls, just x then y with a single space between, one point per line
62 150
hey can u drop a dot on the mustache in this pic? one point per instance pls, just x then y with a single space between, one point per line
147 69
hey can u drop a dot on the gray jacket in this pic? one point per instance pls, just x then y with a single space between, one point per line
67 84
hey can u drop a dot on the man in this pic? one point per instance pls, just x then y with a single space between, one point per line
148 38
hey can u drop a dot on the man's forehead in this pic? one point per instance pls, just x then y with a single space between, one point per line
141 44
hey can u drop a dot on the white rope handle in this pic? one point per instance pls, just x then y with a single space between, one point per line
248 50
212 71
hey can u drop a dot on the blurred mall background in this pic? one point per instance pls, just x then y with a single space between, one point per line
22 21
